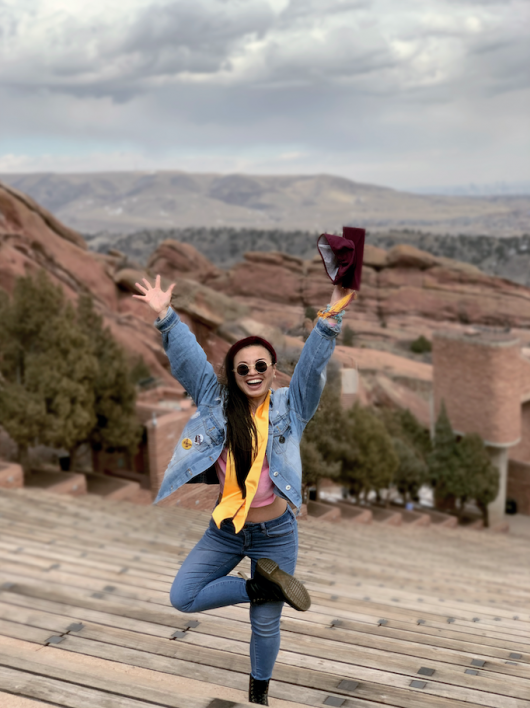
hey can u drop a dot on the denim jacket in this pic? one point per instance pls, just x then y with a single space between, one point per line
203 438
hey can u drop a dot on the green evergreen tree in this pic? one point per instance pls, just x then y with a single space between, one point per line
480 478
444 462
415 435
411 472
46 391
402 424
462 470
114 392
412 445
315 467
322 442
374 461
64 380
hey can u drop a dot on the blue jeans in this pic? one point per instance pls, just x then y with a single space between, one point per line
203 583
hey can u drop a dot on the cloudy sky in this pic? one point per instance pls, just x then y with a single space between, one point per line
407 94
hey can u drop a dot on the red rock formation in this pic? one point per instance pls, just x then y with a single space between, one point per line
31 239
404 282
405 292
175 259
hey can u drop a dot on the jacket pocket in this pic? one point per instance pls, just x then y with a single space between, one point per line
281 433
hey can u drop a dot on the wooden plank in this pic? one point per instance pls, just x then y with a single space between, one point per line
104 669
167 616
108 603
108 558
63 694
203 654
21 631
73 613
184 669
373 611
412 644
63 615
161 565
81 571
358 653
410 602
307 643
8 700
107 685
303 679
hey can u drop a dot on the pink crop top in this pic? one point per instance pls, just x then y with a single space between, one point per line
265 492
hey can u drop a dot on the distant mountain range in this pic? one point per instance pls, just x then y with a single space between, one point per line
495 189
128 202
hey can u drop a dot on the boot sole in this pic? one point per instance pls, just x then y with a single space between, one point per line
292 589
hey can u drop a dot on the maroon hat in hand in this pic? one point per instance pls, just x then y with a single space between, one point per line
343 256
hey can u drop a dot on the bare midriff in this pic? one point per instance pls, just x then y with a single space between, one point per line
266 513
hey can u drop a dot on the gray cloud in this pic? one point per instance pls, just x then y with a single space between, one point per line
193 35
161 41
351 86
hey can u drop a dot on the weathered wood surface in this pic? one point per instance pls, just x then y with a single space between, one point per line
386 602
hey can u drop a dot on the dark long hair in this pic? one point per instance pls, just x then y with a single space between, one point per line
241 432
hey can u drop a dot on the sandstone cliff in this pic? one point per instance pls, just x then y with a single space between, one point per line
401 283
405 292
31 239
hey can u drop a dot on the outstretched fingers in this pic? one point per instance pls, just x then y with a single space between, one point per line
154 295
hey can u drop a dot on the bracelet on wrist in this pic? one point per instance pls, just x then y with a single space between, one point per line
337 316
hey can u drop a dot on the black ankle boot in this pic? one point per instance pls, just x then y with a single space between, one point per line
270 584
261 590
258 691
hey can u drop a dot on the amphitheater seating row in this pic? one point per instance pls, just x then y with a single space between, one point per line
434 619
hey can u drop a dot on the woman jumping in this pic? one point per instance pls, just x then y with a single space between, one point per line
249 435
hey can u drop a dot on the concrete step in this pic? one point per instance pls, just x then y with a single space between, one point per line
354 513
72 483
387 516
322 511
110 487
11 475
438 518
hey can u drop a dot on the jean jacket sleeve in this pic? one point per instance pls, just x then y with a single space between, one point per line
187 359
309 376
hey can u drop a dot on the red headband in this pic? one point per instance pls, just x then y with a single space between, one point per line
251 342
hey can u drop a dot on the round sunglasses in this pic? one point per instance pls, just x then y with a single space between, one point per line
261 367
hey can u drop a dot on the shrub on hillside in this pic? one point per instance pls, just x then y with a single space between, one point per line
348 336
310 313
421 345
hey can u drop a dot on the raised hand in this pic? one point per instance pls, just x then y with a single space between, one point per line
155 297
